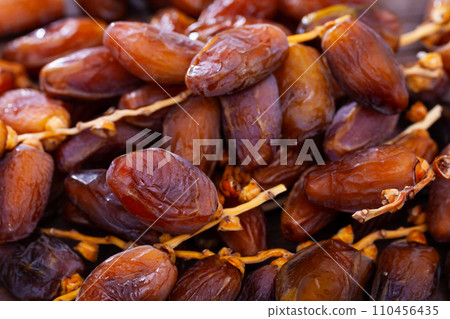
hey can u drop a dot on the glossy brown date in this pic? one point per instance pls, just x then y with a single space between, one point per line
356 181
406 272
25 180
420 142
236 59
251 116
171 20
108 10
33 269
3 137
7 81
260 284
22 15
197 119
263 9
164 190
54 41
300 217
210 279
298 8
306 98
31 111
355 127
365 67
144 51
88 74
438 212
139 274
252 238
192 7
88 191
146 95
332 271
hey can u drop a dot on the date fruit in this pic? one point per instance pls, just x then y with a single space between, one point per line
192 7
163 190
260 284
263 9
237 59
108 10
171 20
143 273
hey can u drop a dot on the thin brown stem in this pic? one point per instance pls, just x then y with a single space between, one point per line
423 31
387 234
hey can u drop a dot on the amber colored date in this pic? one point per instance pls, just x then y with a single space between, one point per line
406 272
22 15
7 81
355 127
30 111
54 41
3 137
321 273
197 119
146 95
365 67
164 190
298 8
210 279
260 284
438 212
263 9
306 97
300 217
109 10
34 269
145 52
356 181
25 180
192 7
81 148
88 191
171 20
420 143
88 74
232 61
252 238
139 274
251 116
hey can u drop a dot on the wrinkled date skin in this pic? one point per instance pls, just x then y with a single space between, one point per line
365 67
198 119
420 143
33 269
252 238
205 30
164 190
263 9
312 275
192 7
280 172
356 181
88 191
298 8
144 51
139 274
301 217
438 212
406 272
25 180
146 95
171 20
306 99
355 127
260 284
77 150
253 115
108 10
236 59
29 111
210 279
54 41
22 15
88 74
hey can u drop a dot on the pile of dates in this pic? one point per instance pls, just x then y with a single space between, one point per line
100 200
